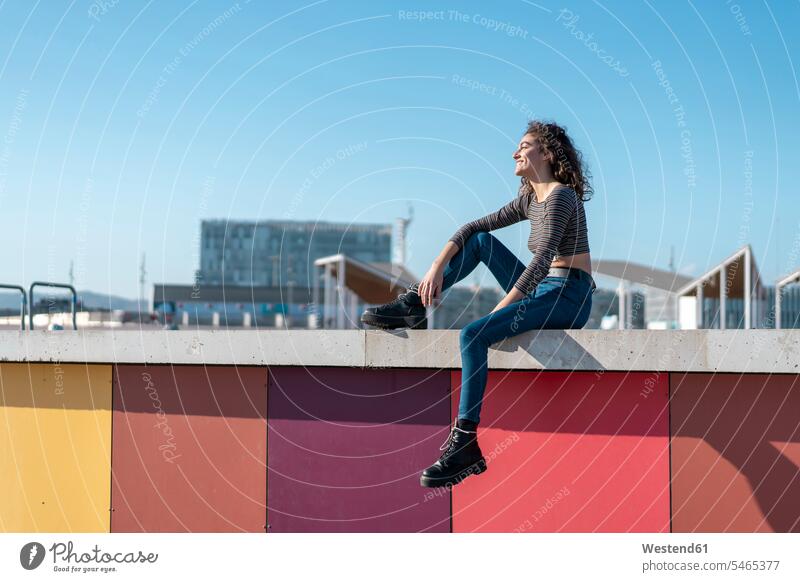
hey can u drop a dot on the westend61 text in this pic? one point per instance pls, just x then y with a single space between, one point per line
670 549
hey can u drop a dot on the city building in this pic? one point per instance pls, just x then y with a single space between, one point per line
461 305
232 305
281 253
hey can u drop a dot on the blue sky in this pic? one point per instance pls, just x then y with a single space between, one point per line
123 124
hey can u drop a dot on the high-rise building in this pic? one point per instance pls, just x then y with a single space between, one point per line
282 252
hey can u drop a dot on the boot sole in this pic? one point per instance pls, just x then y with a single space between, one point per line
410 322
474 469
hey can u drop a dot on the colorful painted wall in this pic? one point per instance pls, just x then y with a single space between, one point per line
185 448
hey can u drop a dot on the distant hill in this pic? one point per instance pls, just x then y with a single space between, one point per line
90 299
97 300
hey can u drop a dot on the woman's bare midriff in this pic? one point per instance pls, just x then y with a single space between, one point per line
581 261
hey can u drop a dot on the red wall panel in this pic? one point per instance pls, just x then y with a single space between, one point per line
573 452
735 452
189 449
347 446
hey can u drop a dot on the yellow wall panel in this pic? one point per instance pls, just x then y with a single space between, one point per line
55 447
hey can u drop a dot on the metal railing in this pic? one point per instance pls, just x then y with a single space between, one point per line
23 302
60 286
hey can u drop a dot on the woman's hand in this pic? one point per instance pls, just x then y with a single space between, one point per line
497 307
430 287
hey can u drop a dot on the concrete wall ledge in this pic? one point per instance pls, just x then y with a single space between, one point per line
738 351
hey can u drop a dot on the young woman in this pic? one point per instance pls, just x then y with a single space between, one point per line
554 291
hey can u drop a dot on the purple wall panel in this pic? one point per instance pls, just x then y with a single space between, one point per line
346 447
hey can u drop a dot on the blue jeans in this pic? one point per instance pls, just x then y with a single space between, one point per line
557 303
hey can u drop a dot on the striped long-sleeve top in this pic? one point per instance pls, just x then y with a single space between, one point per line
558 228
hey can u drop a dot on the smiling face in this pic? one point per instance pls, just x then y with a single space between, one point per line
529 160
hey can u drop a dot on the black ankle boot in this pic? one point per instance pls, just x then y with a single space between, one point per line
405 311
461 458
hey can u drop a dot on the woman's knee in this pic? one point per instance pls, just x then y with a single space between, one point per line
481 239
468 334
482 244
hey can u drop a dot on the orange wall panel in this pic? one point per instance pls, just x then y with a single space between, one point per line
735 452
189 449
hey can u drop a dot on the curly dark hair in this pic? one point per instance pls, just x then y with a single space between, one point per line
566 162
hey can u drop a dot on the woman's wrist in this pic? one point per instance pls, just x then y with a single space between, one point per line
514 295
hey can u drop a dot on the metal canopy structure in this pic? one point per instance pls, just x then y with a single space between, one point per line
641 274
736 277
661 285
779 285
346 280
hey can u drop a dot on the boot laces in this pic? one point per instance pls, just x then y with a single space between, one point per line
400 298
449 444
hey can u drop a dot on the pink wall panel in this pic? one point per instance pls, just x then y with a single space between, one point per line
572 452
735 452
189 449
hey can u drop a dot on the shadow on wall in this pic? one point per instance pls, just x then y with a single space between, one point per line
737 435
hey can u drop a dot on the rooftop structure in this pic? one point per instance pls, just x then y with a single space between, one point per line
729 295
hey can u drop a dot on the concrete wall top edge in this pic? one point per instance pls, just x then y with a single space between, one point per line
756 351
